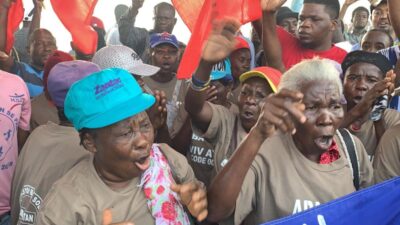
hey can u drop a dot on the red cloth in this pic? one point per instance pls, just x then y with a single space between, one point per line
331 155
198 16
15 16
76 16
293 52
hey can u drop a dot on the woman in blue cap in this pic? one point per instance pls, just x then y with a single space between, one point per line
136 180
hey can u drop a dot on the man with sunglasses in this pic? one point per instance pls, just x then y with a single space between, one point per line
138 38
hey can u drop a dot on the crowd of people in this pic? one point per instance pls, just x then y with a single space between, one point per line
301 113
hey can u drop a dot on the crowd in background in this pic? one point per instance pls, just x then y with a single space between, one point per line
301 113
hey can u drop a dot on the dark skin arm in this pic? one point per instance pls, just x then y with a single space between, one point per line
280 111
270 40
394 9
37 14
344 8
219 46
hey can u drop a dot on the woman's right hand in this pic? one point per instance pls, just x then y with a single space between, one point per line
281 111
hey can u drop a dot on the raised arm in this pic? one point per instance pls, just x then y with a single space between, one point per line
37 15
218 46
394 9
280 111
270 40
129 35
344 8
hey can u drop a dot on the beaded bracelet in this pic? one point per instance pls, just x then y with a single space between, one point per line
199 85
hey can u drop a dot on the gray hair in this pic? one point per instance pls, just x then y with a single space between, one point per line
311 70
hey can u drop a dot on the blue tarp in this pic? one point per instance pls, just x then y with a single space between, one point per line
376 205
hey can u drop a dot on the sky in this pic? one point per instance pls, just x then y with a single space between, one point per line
105 11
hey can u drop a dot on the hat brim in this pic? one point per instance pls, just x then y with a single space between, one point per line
251 74
144 70
123 111
165 42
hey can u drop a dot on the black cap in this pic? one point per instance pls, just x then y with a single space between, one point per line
283 13
376 59
375 4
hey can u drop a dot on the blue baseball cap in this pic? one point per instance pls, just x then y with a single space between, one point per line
222 70
163 38
105 98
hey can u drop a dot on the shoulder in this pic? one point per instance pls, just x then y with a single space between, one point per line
10 78
180 168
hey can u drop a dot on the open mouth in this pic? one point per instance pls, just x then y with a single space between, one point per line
324 142
357 99
143 163
248 115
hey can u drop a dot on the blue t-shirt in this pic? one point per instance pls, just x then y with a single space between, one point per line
32 77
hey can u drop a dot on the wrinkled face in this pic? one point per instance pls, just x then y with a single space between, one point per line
164 20
315 26
122 150
253 91
289 24
324 114
358 79
166 57
222 95
240 62
360 19
380 18
42 46
374 41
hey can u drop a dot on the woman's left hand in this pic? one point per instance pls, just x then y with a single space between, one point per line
193 195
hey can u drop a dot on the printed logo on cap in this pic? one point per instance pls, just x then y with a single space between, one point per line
103 89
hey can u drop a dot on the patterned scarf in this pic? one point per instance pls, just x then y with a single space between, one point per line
331 155
163 203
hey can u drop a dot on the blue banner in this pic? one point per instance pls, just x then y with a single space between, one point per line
376 205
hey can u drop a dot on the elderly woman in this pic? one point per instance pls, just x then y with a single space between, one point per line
302 166
139 181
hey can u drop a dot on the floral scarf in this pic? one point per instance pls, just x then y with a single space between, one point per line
163 203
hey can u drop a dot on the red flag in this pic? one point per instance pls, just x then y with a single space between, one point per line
199 23
15 16
76 16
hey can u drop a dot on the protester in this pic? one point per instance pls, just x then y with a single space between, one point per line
287 19
317 22
387 160
126 170
375 40
359 23
15 113
380 17
43 110
112 36
217 124
366 80
41 45
200 153
51 150
165 55
270 175
138 38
